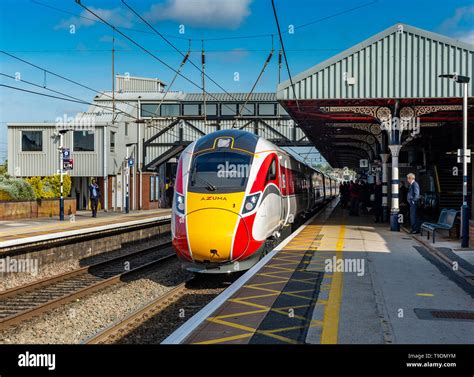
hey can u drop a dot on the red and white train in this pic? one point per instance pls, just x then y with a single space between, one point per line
234 191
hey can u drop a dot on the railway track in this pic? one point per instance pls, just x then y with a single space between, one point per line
155 320
117 330
24 302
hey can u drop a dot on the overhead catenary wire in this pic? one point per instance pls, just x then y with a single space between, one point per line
249 94
204 74
145 49
284 54
234 37
76 99
96 91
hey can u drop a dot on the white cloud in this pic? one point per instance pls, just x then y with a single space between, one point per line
213 14
117 17
461 15
459 25
467 37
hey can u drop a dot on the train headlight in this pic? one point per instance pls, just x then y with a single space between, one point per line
179 200
250 203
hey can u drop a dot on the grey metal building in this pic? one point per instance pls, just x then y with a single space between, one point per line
150 126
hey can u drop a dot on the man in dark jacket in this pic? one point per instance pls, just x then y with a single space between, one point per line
170 195
413 197
94 192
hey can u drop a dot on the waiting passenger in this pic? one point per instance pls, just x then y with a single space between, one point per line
413 198
170 195
94 192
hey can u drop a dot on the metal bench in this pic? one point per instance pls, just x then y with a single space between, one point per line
446 220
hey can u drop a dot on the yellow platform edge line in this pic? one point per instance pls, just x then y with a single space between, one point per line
331 313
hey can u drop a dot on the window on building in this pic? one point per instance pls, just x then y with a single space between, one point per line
126 128
266 109
112 141
169 110
83 141
32 141
211 109
248 109
229 109
149 110
191 109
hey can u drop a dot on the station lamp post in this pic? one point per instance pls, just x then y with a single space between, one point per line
129 164
61 172
466 155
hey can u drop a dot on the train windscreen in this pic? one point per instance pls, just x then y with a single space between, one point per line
220 172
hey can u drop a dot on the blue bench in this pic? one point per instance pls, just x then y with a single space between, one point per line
446 220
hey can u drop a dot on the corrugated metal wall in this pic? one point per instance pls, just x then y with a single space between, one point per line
26 164
399 65
137 84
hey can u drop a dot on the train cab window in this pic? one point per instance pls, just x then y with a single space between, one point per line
271 175
220 172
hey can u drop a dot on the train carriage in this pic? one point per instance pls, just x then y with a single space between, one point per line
234 191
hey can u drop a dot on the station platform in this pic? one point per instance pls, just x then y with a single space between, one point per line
338 279
15 232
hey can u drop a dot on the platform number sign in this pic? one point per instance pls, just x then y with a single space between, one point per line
364 163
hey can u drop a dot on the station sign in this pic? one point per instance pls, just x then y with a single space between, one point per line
460 156
364 163
68 164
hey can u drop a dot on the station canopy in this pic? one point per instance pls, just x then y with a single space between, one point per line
343 103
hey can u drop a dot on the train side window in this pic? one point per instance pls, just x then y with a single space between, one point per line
271 175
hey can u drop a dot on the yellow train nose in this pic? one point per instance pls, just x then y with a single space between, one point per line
211 234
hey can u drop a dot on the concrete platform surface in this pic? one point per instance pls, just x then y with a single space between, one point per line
27 228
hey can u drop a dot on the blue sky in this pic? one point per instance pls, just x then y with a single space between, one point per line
43 36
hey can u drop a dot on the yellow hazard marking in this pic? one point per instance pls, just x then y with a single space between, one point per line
331 313
425 294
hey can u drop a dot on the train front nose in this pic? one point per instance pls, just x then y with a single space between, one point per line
212 235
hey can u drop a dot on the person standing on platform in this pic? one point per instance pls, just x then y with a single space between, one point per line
94 192
378 201
170 194
413 197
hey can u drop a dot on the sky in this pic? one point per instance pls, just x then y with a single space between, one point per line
69 41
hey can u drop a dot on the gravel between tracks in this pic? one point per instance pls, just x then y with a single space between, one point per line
77 321
200 292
